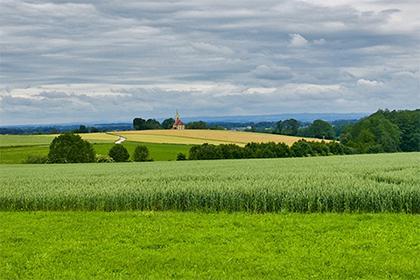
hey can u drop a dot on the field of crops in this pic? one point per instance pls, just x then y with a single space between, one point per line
198 136
361 183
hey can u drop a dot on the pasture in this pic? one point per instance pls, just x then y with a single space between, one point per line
201 136
45 139
174 245
16 148
158 152
359 183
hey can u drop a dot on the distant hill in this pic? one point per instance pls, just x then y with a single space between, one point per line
303 117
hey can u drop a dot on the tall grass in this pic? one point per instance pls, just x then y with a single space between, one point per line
361 183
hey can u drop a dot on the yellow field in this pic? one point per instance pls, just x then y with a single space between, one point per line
99 137
198 136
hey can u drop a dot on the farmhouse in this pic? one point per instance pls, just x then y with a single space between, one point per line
178 123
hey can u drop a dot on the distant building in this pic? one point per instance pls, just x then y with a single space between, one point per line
178 123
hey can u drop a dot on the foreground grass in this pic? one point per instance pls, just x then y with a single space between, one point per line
168 245
362 183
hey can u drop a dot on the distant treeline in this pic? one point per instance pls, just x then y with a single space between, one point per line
384 131
300 148
64 129
143 124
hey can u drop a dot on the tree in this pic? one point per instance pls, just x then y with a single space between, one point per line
152 124
409 124
168 123
231 151
141 153
320 129
70 148
82 129
119 153
142 124
139 124
205 151
320 148
301 148
287 127
197 125
181 156
373 134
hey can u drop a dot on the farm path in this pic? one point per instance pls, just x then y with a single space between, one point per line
120 139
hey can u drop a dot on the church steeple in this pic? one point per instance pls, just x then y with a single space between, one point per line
178 123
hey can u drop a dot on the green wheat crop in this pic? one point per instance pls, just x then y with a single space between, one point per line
360 183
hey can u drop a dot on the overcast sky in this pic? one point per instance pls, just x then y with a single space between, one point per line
81 61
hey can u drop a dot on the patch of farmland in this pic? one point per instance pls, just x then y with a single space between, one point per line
359 183
45 139
26 140
200 136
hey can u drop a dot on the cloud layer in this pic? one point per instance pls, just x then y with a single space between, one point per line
113 60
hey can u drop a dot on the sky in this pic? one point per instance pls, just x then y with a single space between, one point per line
86 61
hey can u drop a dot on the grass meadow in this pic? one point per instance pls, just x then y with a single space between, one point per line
189 245
158 152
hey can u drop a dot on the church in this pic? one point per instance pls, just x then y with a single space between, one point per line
178 124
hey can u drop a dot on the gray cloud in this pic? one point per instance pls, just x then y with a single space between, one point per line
82 60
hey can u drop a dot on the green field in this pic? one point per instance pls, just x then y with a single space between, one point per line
360 183
170 245
159 152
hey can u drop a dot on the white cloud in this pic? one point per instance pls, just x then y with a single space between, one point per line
297 40
369 83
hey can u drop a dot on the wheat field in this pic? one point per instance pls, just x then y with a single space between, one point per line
201 136
359 183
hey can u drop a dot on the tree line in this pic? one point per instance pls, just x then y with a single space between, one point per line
143 124
383 131
301 148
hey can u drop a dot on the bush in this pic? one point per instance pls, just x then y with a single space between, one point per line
319 148
103 158
36 159
205 151
336 148
181 156
301 148
119 153
141 153
70 148
231 151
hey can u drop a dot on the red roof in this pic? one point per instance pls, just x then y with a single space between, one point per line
178 122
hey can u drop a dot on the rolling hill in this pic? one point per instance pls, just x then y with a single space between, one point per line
198 136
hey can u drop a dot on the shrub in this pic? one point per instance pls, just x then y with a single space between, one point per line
231 151
319 148
35 159
104 158
119 153
141 153
205 151
301 148
70 148
336 148
181 156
